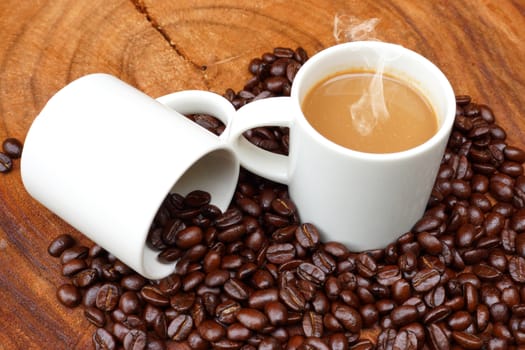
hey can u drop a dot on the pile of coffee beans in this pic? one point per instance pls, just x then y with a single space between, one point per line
12 149
257 277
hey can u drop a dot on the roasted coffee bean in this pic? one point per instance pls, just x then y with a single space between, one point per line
280 253
332 288
73 266
465 235
366 266
192 280
479 183
312 324
237 332
499 312
407 262
517 268
119 330
508 240
276 312
466 340
276 84
69 295
229 218
307 235
259 298
426 223
95 316
12 148
435 297
76 252
262 279
96 251
517 221
283 206
135 340
320 302
292 297
252 319
425 280
386 339
490 294
107 297
336 249
520 244
232 234
275 220
188 237
129 302
197 198
211 331
154 296
400 291
216 278
90 295
512 169
349 317
431 244
405 340
170 231
403 315
311 273
226 311
486 272
6 164
459 320
170 285
103 340
236 289
324 261
437 314
514 154
180 327
460 189
60 244
369 315
85 277
437 338
501 191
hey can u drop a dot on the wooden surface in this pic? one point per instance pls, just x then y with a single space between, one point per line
161 46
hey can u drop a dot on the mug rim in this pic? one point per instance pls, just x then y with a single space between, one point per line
441 80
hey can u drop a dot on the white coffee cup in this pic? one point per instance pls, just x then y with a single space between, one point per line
363 200
102 155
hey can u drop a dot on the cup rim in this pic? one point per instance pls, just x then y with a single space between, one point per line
441 80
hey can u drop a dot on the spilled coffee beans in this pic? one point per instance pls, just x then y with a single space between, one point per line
257 277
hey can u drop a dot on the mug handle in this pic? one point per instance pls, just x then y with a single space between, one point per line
274 111
201 101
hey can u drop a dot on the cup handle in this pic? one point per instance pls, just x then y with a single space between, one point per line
274 111
200 101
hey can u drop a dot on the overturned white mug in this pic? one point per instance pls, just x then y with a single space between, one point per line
103 156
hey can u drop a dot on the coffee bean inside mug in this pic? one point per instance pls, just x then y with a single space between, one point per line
370 112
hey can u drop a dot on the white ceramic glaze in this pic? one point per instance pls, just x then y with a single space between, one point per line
102 155
363 200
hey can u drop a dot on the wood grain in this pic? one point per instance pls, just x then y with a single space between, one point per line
165 46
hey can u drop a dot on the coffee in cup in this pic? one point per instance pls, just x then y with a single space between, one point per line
370 112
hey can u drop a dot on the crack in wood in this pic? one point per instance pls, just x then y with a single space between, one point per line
142 8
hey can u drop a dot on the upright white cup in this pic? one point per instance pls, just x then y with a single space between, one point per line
363 200
102 155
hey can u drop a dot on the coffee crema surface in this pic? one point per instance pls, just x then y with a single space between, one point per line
370 113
